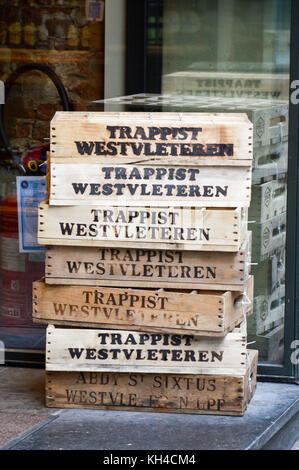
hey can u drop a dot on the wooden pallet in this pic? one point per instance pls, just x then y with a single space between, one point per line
171 393
268 200
156 310
81 181
143 227
135 267
95 350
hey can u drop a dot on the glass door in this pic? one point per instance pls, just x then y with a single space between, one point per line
233 56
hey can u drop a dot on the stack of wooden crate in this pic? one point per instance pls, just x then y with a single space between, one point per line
147 286
260 97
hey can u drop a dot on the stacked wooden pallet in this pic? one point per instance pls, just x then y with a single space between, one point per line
147 286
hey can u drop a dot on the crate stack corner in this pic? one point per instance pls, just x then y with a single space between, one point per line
147 285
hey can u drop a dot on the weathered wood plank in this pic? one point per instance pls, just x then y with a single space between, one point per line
145 227
87 182
199 312
150 135
179 393
126 351
135 267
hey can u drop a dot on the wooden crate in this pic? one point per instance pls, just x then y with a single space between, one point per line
268 200
95 350
145 227
268 311
268 236
156 310
135 267
270 345
132 391
270 162
270 273
81 181
227 84
155 135
270 119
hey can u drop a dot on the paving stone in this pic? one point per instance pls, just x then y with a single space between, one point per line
273 407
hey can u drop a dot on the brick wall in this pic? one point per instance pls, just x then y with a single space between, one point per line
55 33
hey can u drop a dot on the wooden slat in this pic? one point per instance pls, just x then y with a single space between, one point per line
150 135
145 227
88 182
97 350
179 393
199 312
134 267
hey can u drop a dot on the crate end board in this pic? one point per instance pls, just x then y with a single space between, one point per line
91 183
180 393
155 135
147 227
97 350
157 310
133 267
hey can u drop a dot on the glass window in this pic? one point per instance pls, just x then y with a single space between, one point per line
234 56
51 58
